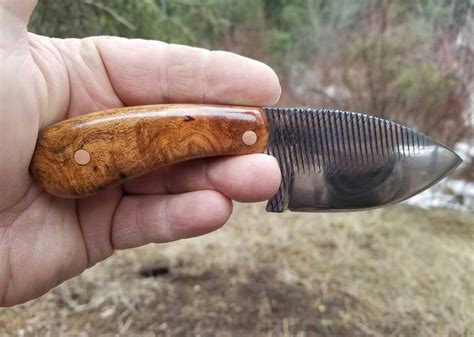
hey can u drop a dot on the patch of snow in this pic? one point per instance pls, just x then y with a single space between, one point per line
464 150
336 92
448 193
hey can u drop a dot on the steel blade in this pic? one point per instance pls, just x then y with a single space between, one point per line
342 161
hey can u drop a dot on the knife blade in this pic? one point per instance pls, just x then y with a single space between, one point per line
341 161
330 160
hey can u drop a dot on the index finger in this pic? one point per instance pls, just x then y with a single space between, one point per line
147 72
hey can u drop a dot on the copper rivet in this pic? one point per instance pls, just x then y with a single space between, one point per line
82 157
249 138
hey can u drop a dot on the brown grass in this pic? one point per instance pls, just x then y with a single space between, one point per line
398 271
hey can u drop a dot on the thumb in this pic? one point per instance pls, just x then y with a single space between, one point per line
14 16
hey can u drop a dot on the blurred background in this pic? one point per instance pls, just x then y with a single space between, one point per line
405 270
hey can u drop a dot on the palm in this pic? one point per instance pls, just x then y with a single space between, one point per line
45 240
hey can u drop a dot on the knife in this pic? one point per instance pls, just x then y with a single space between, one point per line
330 160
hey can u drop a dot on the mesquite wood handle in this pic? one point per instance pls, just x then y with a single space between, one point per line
87 154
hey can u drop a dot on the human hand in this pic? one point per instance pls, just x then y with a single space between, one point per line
45 240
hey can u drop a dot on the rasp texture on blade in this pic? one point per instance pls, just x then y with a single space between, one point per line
342 161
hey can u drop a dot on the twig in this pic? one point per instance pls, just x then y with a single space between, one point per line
319 91
112 12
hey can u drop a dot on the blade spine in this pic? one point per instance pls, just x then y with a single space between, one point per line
332 126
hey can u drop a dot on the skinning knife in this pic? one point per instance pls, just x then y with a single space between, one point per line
330 160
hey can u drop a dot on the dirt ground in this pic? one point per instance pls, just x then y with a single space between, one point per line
398 271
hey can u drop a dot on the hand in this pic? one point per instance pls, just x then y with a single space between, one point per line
45 240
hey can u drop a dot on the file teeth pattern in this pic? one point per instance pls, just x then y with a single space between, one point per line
313 141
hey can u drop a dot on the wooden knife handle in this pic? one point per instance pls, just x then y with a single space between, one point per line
87 154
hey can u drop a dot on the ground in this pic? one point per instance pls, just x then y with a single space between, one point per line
396 271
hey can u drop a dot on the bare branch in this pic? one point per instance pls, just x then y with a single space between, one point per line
112 13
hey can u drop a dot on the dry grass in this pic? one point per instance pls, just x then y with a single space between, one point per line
399 271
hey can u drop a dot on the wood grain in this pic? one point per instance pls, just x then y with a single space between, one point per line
128 142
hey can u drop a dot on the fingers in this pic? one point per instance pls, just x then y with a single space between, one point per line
144 219
146 72
249 178
95 215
